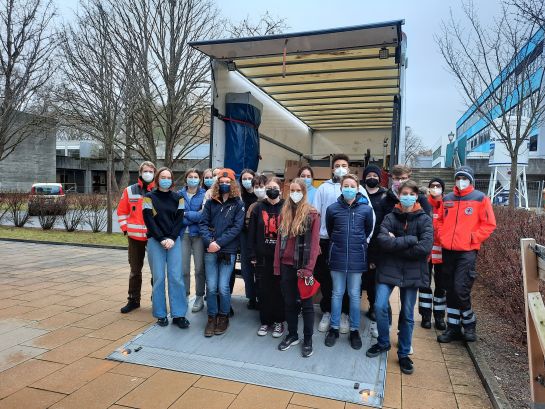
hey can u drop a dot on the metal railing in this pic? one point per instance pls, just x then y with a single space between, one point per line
534 188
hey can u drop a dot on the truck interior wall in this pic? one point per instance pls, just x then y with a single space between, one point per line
352 142
276 123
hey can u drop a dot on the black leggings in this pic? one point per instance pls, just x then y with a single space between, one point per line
271 301
290 292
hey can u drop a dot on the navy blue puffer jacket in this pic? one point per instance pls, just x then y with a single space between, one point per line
222 222
348 227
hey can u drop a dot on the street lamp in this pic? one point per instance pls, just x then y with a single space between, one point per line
451 136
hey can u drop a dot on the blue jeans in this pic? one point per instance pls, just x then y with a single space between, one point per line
171 261
340 280
218 274
406 317
246 268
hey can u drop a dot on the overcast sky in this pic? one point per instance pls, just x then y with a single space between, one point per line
433 103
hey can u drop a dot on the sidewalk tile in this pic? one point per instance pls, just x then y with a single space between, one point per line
74 350
29 398
315 402
416 398
95 307
110 347
117 329
473 402
46 301
17 311
259 397
392 392
8 302
220 385
57 337
196 398
10 324
46 312
428 375
18 336
140 371
17 354
13 379
60 320
98 321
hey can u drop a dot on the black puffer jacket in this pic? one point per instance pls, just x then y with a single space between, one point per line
389 200
404 260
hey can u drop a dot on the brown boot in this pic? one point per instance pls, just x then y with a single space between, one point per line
222 324
210 327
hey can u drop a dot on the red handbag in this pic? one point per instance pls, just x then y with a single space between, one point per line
308 286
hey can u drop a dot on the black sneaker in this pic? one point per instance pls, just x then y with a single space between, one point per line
406 365
288 341
182 322
163 322
355 339
131 305
451 334
307 351
470 335
426 322
331 337
440 323
376 350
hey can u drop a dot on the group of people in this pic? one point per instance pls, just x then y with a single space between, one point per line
344 236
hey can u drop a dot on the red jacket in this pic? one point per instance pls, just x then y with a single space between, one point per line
129 211
436 251
466 220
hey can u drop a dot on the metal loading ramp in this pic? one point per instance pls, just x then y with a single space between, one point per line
339 373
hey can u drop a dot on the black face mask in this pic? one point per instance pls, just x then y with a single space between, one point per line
372 182
272 193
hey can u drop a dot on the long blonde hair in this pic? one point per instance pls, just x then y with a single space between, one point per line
294 215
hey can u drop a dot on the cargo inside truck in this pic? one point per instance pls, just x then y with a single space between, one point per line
282 100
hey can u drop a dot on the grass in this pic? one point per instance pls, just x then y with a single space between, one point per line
62 236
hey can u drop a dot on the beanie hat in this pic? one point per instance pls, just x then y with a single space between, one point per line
437 180
227 173
371 168
466 171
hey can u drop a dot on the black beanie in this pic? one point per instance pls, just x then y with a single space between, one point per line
371 168
438 180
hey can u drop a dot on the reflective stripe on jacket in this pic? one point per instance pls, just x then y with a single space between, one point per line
129 211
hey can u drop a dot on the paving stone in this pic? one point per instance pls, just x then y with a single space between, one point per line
9 324
8 302
97 321
392 393
106 350
417 398
18 336
221 385
60 320
57 337
29 398
196 398
315 402
45 312
13 379
140 371
74 350
117 329
16 311
17 354
473 402
429 375
259 397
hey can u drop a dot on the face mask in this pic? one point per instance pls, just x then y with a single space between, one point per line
462 184
436 191
247 184
340 172
272 193
296 196
208 182
225 188
192 182
308 181
371 182
349 193
165 183
407 200
147 176
260 192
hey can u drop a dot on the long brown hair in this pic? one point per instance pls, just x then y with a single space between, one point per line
294 215
161 170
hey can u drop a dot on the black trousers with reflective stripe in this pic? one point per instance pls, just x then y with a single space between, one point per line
459 274
436 298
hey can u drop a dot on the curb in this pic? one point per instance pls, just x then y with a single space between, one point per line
60 243
492 387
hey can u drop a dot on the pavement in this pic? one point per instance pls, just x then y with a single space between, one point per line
59 320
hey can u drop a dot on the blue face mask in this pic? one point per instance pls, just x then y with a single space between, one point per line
349 193
208 182
247 183
165 183
407 200
192 182
308 181
225 188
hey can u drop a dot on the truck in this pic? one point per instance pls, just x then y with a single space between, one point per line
287 99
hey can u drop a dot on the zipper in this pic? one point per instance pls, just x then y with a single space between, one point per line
456 223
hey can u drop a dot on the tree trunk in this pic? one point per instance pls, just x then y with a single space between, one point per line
513 180
109 191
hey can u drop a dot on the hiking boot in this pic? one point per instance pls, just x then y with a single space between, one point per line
210 326
426 322
306 350
344 328
406 365
198 304
288 341
222 325
263 330
278 329
131 305
451 334
355 339
376 350
470 335
373 329
163 322
181 322
331 337
324 322
440 323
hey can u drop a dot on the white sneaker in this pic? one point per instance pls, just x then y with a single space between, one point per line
324 322
198 304
344 328
263 330
373 329
278 330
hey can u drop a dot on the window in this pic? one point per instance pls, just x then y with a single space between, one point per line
73 153
59 152
436 153
533 143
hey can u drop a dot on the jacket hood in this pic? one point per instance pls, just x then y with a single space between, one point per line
417 209
149 186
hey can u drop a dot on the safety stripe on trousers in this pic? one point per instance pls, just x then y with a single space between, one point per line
437 307
425 305
426 296
440 300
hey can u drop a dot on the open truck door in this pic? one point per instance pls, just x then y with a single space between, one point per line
316 94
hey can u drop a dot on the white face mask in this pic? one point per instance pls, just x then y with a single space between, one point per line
462 184
260 192
436 191
340 172
147 176
296 196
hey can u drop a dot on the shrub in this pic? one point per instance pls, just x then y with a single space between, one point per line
17 207
96 215
48 211
75 212
3 205
499 264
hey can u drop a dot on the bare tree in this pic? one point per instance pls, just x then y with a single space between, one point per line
413 146
92 92
266 25
533 10
25 69
498 75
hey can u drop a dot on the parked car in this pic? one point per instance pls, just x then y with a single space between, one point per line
46 198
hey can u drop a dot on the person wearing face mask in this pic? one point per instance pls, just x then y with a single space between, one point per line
307 173
221 223
327 194
406 239
193 195
163 211
207 179
426 297
131 222
466 219
297 248
349 223
262 236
